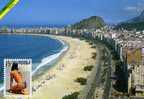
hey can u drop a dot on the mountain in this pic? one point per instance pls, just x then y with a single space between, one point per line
139 18
134 23
89 23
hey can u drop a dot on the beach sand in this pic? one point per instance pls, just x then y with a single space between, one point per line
59 80
66 71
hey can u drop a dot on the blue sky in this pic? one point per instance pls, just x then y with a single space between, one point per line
61 12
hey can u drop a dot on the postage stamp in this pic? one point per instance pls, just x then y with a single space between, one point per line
17 77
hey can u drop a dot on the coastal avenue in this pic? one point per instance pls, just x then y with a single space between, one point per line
95 89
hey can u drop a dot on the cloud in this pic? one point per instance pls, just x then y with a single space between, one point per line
129 8
139 7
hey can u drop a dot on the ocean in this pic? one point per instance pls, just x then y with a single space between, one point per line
42 49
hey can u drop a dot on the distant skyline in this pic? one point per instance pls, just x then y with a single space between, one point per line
65 12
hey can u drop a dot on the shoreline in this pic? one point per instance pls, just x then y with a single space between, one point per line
50 60
51 64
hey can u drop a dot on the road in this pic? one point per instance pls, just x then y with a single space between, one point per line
94 89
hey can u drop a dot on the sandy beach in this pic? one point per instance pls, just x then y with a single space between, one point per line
66 71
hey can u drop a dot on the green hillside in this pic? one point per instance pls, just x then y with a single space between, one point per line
89 23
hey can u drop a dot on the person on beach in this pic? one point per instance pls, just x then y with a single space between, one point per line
16 75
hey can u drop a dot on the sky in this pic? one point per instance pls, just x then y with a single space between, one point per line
65 12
